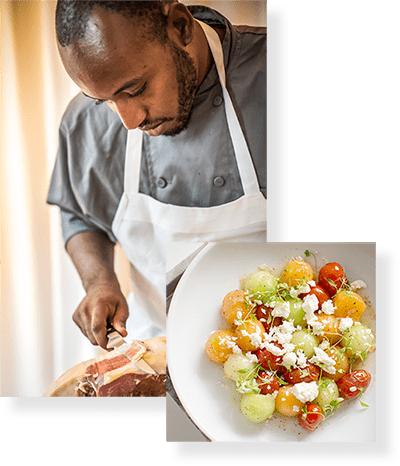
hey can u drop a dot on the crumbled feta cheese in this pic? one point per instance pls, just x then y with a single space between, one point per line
273 349
255 339
305 391
300 289
289 359
294 293
288 347
322 358
328 307
301 358
353 389
252 357
304 288
358 285
287 327
281 310
228 343
283 332
310 304
283 338
317 327
324 344
311 283
345 323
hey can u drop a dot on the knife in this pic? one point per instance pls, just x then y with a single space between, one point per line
115 340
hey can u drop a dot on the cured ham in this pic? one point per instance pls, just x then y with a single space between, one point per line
135 369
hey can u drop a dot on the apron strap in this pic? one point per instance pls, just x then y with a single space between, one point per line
247 172
133 158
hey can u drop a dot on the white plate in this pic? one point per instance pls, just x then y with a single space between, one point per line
210 399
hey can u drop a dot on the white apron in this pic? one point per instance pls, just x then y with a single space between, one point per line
143 225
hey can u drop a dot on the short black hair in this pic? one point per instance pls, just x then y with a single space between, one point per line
72 17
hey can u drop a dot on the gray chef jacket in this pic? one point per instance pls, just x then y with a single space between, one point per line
195 168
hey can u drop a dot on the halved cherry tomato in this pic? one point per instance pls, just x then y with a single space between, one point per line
310 417
332 277
267 382
263 314
319 292
310 373
353 383
269 361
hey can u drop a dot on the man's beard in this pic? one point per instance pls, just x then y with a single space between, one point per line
186 75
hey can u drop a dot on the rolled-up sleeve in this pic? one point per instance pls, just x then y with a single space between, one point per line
71 224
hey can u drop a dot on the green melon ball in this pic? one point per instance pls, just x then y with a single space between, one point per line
260 284
305 340
327 392
256 407
238 366
297 313
358 341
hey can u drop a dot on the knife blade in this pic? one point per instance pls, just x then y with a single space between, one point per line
115 339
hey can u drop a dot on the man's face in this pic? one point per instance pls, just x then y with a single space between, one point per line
150 85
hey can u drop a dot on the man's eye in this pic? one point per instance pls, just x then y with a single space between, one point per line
137 93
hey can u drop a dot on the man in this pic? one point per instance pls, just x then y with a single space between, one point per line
192 164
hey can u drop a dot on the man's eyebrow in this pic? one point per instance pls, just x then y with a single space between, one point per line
122 88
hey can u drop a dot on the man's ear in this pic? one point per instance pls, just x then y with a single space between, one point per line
180 22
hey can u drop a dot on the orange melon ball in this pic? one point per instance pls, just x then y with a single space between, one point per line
234 302
249 334
342 363
286 403
297 272
330 328
220 345
348 304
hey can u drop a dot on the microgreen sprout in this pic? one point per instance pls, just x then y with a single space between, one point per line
329 409
307 253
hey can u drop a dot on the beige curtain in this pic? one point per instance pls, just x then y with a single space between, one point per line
39 286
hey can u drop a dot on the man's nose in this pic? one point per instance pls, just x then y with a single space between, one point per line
131 115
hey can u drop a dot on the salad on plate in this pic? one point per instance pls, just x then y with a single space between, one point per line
296 342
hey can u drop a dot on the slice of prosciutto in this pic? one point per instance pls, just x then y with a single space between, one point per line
118 372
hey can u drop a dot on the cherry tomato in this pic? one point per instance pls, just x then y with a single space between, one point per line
267 382
263 314
332 277
353 383
309 373
310 417
319 292
269 361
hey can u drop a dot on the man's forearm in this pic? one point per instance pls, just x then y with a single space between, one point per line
93 256
104 304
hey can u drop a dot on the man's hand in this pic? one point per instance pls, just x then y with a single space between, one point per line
92 253
104 305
